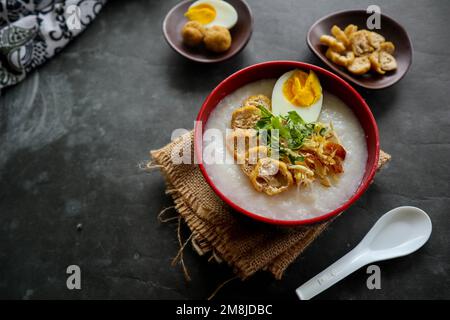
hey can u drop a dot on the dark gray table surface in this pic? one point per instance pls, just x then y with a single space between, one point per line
72 136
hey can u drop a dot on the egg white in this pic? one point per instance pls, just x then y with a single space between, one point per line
281 105
226 15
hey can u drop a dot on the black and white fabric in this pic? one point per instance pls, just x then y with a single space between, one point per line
33 31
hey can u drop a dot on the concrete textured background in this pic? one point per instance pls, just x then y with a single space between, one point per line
72 136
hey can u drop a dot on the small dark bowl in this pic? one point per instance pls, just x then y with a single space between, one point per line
390 29
240 33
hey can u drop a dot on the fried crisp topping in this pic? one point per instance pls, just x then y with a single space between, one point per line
240 141
343 59
333 43
299 153
387 61
360 65
359 51
375 39
252 156
360 43
271 176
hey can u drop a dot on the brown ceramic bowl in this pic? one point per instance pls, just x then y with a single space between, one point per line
240 33
390 29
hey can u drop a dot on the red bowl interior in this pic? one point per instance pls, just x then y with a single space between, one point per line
331 83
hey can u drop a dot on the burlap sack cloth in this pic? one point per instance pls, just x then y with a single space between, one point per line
244 244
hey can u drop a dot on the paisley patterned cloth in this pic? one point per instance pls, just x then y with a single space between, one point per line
33 31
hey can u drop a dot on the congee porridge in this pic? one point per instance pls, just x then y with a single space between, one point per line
299 152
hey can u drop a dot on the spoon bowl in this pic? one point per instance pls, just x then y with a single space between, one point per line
397 233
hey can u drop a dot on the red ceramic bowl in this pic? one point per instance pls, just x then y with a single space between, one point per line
331 83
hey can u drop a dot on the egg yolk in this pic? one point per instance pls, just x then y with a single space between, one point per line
203 13
301 89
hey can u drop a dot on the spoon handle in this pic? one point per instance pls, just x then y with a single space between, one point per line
346 265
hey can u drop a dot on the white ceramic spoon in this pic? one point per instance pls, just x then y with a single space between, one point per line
397 233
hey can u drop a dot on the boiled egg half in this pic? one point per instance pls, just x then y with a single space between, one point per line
212 13
298 91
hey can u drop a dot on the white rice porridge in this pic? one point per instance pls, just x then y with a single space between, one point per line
295 203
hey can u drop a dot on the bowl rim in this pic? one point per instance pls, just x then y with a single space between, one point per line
219 58
198 131
348 76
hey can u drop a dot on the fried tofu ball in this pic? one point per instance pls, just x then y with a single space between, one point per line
259 100
245 117
193 33
217 39
360 65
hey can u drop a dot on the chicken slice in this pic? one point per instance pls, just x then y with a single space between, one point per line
302 174
335 149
